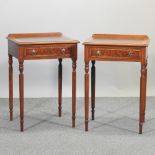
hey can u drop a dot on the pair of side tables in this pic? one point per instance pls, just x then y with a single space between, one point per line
99 47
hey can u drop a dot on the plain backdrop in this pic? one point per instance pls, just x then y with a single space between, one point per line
77 19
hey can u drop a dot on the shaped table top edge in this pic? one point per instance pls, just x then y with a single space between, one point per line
117 40
60 38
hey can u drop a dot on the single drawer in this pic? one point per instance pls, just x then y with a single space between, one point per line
122 53
57 51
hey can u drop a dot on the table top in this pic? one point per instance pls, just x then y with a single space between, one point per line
118 40
40 38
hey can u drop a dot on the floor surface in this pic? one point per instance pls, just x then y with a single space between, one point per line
113 132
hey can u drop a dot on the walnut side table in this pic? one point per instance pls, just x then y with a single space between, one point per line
34 46
114 47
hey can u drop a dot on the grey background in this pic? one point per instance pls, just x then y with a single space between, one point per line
77 19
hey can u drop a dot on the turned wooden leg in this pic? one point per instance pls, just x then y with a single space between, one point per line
93 89
21 93
10 87
60 86
86 95
142 96
73 93
145 91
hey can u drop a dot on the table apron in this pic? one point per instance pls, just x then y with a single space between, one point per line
115 54
48 52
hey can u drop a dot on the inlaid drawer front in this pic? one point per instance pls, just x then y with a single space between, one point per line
116 53
48 51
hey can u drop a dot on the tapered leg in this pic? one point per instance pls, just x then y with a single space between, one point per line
143 80
73 93
10 87
93 89
145 91
60 86
21 93
86 95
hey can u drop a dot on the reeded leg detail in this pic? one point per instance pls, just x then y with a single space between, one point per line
60 87
86 95
21 92
93 89
73 93
143 80
11 87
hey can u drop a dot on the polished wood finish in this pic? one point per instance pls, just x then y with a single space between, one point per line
115 53
143 80
86 88
40 52
40 38
118 40
93 72
73 92
74 59
11 87
60 86
115 47
35 46
21 93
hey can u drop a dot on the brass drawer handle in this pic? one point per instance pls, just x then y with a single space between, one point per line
63 50
34 52
98 53
130 53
